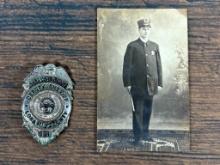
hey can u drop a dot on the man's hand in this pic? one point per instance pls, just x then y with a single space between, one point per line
128 88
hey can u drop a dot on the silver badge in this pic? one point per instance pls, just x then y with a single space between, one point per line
153 53
47 99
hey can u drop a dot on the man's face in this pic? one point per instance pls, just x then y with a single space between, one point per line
145 32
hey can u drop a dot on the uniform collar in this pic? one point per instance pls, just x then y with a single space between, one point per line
143 40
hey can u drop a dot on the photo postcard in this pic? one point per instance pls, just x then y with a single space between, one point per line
142 84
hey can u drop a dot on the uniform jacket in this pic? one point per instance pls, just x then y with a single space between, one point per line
142 67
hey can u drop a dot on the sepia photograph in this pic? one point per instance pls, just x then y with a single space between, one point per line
142 80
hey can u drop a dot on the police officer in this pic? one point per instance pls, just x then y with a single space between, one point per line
142 74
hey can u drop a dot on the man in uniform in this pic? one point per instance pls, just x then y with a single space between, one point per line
142 74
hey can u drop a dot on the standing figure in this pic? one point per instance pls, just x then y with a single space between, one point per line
142 74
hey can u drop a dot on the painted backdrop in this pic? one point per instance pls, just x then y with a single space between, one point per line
115 29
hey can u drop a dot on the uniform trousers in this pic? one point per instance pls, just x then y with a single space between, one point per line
141 116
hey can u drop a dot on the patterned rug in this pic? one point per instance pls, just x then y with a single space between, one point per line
122 140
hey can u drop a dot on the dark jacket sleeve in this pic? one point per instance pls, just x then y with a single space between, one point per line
159 68
127 66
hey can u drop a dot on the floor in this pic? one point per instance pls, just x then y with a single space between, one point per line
122 140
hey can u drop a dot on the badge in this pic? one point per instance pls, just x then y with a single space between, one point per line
153 53
47 102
